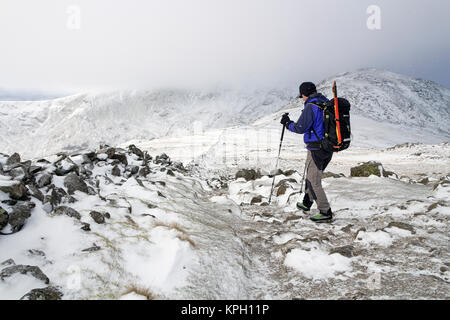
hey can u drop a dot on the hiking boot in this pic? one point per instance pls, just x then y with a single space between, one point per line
303 207
323 217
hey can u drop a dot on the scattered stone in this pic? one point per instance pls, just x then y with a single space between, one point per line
424 181
347 228
257 199
161 195
44 180
116 171
35 252
49 294
170 173
14 159
135 150
443 269
370 168
264 204
56 196
91 191
281 190
22 269
144 172
35 192
85 226
346 251
98 217
9 262
151 206
285 181
4 217
328 174
121 157
289 172
73 183
133 169
17 191
10 202
402 225
92 249
68 212
248 174
18 217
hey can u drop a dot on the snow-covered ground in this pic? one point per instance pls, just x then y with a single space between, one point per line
196 232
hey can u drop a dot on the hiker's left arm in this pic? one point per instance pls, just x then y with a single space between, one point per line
304 122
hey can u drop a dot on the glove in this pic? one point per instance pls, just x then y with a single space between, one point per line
285 120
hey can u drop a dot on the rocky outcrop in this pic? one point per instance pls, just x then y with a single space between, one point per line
74 183
48 293
248 174
24 269
370 168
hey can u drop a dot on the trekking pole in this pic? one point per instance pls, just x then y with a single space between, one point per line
303 179
278 159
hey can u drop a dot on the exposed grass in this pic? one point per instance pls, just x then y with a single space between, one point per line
140 291
183 234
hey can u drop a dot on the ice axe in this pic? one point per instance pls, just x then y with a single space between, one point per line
278 159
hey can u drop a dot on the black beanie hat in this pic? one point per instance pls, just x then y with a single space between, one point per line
307 89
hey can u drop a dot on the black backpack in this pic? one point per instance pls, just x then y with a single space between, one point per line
336 121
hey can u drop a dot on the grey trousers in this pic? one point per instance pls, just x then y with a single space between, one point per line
314 185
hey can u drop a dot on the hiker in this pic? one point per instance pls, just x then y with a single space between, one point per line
310 124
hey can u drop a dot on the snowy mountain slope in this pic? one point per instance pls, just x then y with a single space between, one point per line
382 100
383 95
86 120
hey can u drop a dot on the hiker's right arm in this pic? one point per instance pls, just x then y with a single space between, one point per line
304 122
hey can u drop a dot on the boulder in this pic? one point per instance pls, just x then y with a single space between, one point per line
121 157
23 269
67 211
248 174
16 191
74 183
98 217
135 150
49 293
346 251
12 160
18 216
4 217
257 199
44 180
370 168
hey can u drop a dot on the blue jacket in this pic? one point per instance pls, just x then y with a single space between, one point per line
311 117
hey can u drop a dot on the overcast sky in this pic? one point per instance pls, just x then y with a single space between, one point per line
203 43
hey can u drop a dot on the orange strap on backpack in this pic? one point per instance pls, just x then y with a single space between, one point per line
338 122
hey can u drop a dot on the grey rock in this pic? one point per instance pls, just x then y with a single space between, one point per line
257 199
17 191
9 262
44 180
57 196
14 159
18 217
86 226
23 269
402 225
170 173
74 183
121 157
36 252
34 169
92 249
91 191
116 171
49 293
4 217
67 211
132 169
98 217
62 172
248 174
369 168
328 174
135 150
144 172
35 192
346 251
